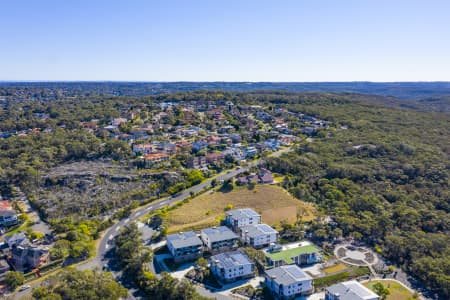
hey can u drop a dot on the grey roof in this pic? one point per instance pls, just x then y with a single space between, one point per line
231 259
217 234
257 230
242 213
184 239
351 290
7 213
287 275
17 239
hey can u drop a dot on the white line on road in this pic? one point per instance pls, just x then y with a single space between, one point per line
106 246
126 220
118 227
110 237
138 213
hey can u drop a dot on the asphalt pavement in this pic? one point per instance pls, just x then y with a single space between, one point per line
106 242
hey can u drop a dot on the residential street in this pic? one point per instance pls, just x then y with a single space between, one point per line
105 243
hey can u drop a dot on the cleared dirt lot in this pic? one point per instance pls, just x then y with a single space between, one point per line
272 202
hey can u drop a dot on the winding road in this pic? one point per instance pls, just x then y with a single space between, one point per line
106 240
108 237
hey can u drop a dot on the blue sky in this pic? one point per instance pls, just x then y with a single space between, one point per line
229 40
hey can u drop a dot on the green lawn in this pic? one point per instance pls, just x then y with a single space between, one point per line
397 291
286 255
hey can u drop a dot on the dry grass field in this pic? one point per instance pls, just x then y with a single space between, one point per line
335 269
272 202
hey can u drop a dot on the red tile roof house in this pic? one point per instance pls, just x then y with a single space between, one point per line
155 158
183 146
5 205
216 157
213 140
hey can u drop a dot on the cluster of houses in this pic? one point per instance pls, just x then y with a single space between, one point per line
283 277
209 132
159 138
22 255
17 252
283 274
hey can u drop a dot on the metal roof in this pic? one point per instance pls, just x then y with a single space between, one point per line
351 290
287 275
257 230
231 259
242 213
217 234
184 239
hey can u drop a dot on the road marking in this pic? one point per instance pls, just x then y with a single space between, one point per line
106 246
111 237
138 213
118 227
127 220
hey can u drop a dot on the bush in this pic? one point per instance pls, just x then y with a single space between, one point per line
14 279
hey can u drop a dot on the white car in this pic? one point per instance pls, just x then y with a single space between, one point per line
24 287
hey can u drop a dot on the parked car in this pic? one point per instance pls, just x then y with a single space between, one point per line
24 287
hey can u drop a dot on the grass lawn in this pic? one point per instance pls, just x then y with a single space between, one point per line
272 202
397 291
286 255
335 269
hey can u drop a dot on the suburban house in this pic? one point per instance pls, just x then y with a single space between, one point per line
197 162
5 205
199 145
8 218
219 239
237 218
349 290
231 266
155 158
144 149
272 144
214 158
288 282
308 130
29 257
250 152
184 246
265 176
258 235
183 146
213 140
118 121
301 255
168 148
252 178
17 239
